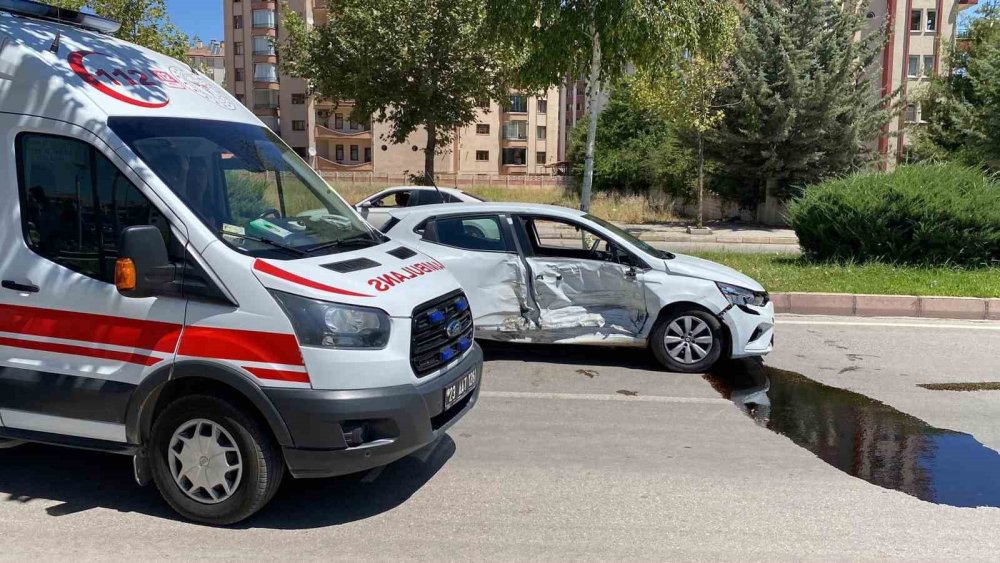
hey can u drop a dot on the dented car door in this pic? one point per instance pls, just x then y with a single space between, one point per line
479 251
582 286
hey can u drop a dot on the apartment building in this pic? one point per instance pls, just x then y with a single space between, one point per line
209 58
528 137
920 32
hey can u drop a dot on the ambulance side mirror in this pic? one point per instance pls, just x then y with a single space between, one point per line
143 268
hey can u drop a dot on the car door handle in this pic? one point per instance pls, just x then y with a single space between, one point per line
22 287
541 277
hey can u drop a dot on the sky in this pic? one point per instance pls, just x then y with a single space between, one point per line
197 17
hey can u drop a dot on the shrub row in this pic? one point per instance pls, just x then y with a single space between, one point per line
924 214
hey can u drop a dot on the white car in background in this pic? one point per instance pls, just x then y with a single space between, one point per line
540 273
375 208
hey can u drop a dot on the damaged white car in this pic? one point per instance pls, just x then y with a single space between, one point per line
539 273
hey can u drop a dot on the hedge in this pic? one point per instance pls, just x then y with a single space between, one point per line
923 214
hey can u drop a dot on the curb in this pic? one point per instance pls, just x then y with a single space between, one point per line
852 305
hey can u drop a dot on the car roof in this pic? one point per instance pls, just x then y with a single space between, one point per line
428 188
424 211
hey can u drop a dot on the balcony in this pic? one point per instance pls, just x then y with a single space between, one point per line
327 165
323 132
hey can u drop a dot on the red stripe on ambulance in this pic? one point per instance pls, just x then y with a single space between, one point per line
88 327
272 270
240 345
72 350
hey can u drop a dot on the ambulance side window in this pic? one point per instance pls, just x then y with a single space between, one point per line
75 203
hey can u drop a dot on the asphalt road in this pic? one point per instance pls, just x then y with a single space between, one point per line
577 453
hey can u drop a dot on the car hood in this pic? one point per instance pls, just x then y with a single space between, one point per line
684 265
390 277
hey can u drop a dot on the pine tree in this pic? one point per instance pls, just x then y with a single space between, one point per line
962 109
803 100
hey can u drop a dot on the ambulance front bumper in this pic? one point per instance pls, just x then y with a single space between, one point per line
342 432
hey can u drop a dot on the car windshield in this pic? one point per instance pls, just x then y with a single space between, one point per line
634 240
245 184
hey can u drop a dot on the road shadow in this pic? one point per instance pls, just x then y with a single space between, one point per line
82 480
566 354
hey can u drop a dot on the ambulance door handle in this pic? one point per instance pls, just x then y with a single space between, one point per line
20 287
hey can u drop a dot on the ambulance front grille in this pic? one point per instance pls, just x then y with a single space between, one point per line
442 330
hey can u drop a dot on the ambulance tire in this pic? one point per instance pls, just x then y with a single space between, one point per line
262 463
674 355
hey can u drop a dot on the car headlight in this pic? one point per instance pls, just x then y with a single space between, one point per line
334 325
742 296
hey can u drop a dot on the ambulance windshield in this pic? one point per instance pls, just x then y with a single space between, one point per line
246 185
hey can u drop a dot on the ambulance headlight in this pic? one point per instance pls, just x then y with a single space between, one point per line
334 325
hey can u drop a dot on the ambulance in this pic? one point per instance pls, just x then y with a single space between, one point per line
180 287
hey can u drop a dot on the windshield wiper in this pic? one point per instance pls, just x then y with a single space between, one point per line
362 240
269 242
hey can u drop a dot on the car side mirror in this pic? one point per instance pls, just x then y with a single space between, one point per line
143 268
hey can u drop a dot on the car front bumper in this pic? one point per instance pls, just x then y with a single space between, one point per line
751 330
342 432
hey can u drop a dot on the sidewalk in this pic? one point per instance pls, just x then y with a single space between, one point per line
725 237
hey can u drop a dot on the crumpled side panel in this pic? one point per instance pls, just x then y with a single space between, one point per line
587 294
501 295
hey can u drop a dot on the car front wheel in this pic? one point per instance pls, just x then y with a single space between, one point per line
212 462
688 341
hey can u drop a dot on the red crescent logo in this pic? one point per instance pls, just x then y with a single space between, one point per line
76 63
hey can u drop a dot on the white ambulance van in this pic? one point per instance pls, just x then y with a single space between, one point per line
180 287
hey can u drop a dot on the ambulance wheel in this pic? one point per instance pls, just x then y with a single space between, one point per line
688 341
212 462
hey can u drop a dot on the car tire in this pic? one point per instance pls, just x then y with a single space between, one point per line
199 428
680 342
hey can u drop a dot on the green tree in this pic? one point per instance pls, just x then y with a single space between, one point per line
144 22
410 63
602 40
804 95
636 149
685 95
962 109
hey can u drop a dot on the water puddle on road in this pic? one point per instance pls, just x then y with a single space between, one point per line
864 437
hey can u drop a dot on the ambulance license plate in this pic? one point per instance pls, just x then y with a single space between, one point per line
461 387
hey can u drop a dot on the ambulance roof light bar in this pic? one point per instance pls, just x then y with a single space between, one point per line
41 11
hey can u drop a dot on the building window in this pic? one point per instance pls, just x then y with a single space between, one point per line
913 70
354 125
339 153
931 20
265 99
543 106
237 22
263 19
354 153
540 132
238 48
518 103
482 129
265 72
298 99
262 45
368 154
516 130
302 152
911 113
540 157
915 17
239 75
482 156
298 125
483 104
338 121
928 65
515 156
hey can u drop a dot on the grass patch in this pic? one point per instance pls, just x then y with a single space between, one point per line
624 208
787 273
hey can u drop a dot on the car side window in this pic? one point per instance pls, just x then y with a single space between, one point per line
564 239
471 233
400 198
75 203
